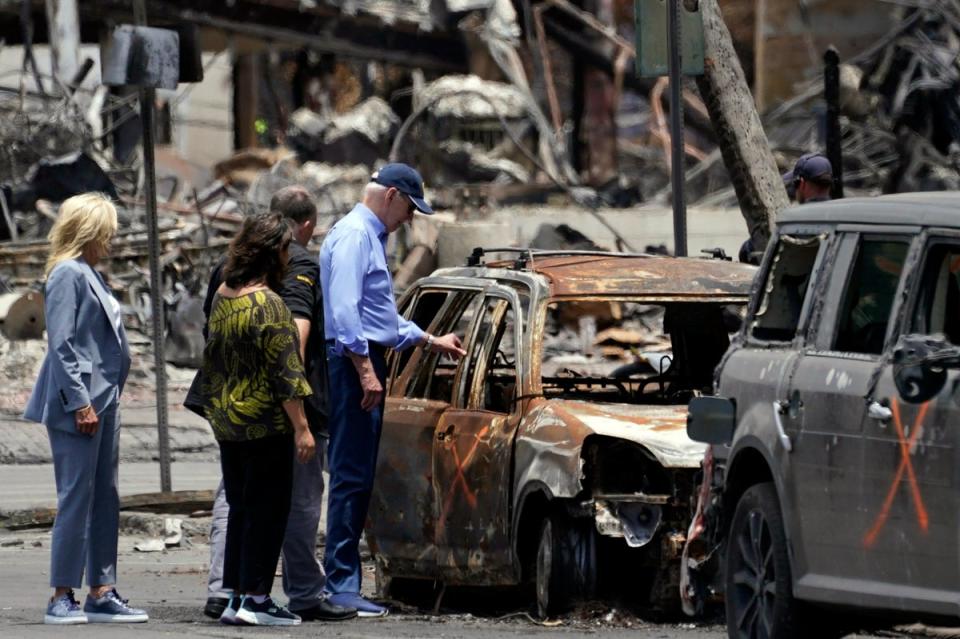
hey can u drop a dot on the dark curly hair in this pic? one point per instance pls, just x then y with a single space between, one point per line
258 251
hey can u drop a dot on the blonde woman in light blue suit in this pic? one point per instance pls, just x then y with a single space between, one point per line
77 397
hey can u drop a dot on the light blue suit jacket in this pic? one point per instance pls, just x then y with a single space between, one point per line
88 357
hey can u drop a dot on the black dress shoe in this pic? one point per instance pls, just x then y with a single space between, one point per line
215 606
326 611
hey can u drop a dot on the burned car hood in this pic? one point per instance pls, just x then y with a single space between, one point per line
662 430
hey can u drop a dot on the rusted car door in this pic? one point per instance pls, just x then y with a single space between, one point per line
402 508
473 450
912 470
826 413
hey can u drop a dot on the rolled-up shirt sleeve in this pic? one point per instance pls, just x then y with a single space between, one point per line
410 334
349 261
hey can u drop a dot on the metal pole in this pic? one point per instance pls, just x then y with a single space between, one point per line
831 95
147 98
677 164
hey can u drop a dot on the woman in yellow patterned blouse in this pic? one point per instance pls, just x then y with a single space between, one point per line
253 390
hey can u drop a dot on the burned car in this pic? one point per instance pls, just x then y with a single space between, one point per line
831 481
554 454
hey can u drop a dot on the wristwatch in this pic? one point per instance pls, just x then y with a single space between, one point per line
429 345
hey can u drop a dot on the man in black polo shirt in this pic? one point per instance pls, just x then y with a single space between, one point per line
303 578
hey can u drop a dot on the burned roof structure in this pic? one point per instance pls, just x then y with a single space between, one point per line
400 31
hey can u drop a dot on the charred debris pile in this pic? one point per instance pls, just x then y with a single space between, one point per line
505 134
900 107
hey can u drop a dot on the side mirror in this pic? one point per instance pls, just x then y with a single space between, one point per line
920 364
711 420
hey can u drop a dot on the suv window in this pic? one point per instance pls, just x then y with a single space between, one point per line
425 309
868 298
436 374
491 363
783 295
938 306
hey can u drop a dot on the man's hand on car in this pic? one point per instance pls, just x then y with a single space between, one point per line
448 344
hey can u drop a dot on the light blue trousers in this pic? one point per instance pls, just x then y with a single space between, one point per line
88 504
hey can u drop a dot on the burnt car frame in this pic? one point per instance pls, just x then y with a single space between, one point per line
831 481
494 471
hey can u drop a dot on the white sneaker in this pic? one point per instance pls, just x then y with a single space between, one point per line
229 614
268 613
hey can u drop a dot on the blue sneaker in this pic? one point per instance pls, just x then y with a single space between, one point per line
110 608
364 607
64 611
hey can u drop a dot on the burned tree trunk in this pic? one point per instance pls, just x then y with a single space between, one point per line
740 135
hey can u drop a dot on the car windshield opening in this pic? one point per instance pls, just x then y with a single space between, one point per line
635 352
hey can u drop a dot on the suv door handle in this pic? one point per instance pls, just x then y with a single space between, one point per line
779 408
878 411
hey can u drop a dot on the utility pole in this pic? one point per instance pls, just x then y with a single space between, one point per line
831 95
147 107
678 164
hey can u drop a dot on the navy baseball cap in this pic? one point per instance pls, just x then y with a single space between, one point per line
810 166
406 180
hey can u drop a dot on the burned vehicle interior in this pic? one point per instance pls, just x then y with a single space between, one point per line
631 352
619 351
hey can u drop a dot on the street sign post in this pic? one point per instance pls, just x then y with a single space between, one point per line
150 58
670 41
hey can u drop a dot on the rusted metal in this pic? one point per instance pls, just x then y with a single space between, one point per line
661 278
455 480
551 86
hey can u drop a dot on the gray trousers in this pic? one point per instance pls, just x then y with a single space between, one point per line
88 504
303 577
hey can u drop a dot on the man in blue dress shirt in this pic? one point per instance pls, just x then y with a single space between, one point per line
361 322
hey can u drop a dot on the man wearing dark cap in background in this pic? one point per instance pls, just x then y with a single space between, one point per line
808 182
361 322
810 179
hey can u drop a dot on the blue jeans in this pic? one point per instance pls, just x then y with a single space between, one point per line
352 462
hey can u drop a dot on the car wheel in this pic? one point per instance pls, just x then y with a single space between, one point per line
564 566
759 593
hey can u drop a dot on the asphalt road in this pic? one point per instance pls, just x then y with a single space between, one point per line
171 586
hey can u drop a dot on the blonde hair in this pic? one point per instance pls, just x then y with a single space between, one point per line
83 219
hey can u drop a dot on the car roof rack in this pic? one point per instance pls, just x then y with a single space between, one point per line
526 255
